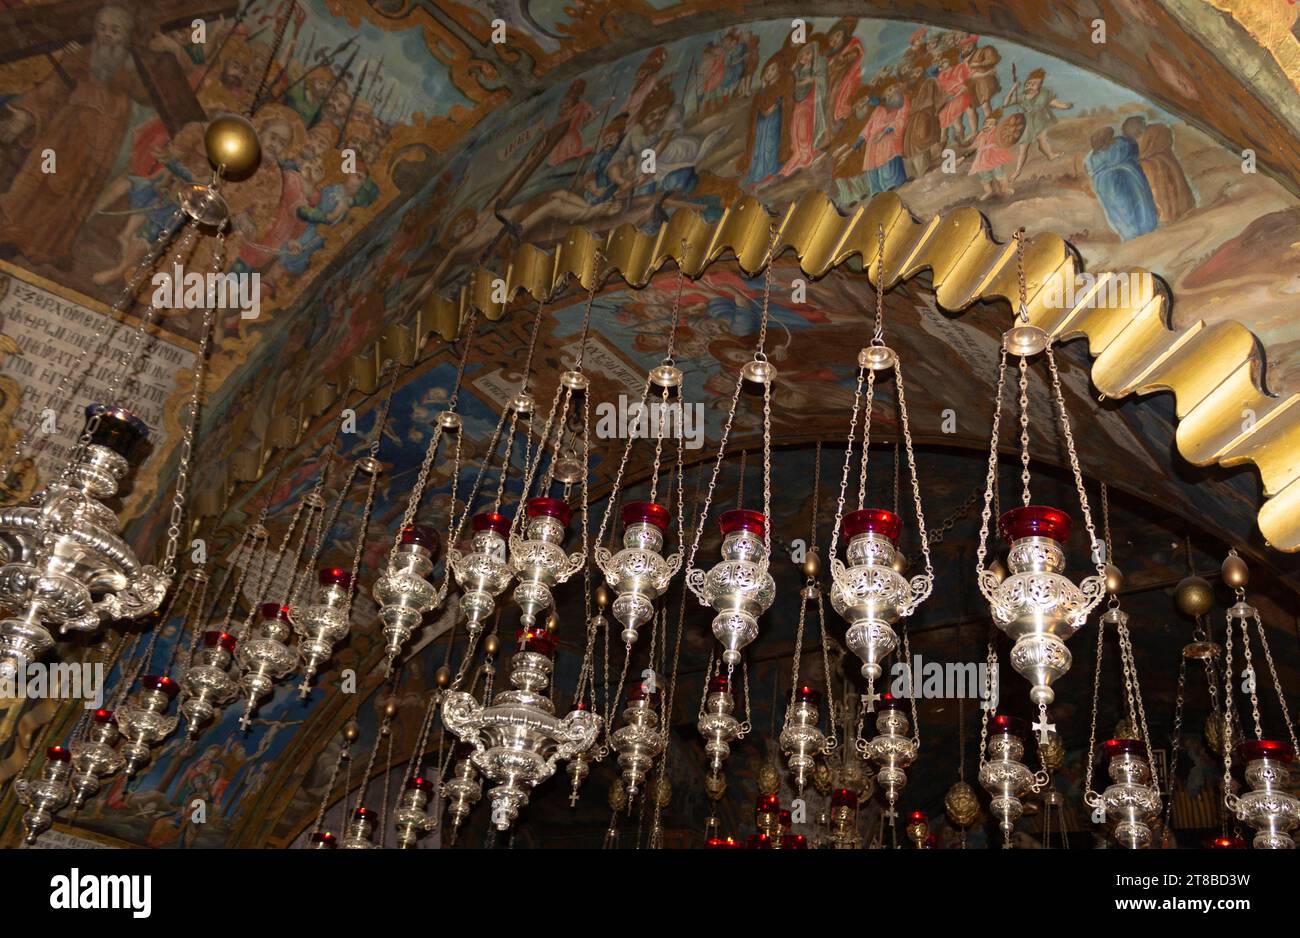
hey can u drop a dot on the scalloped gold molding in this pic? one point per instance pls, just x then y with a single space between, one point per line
1224 414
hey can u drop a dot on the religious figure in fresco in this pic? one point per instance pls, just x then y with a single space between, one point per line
647 76
1169 187
766 153
575 113
806 127
994 149
1120 185
1039 105
844 68
881 141
983 82
957 112
82 112
921 133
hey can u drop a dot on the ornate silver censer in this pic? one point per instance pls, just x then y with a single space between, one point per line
717 724
802 739
517 738
412 817
1131 803
143 720
739 588
46 795
403 591
639 741
264 655
892 749
483 572
62 561
208 682
639 573
95 757
1004 776
321 624
538 560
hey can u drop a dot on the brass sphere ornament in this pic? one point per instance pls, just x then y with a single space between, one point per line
491 644
351 731
899 563
1235 572
998 568
231 144
390 707
553 622
1114 580
442 677
602 596
962 804
812 564
1194 596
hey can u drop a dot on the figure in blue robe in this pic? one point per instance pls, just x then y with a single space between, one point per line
765 157
1120 184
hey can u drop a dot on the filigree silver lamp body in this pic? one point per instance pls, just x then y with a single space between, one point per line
265 656
892 749
403 591
95 757
359 831
517 738
412 816
868 592
62 561
1004 776
462 790
538 560
1132 803
717 724
739 588
639 741
639 573
1268 807
143 720
484 572
802 739
46 795
1036 604
208 682
322 624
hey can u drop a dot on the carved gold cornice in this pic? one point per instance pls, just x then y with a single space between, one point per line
1224 414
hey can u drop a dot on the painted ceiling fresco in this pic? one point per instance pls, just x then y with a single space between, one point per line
470 147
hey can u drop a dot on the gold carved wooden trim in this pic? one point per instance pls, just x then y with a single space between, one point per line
1225 415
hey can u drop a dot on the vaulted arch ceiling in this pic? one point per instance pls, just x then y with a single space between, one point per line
451 128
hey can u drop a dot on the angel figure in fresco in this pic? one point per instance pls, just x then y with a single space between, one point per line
1169 187
1120 184
1039 105
844 54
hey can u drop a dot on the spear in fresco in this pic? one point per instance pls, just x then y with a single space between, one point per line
343 75
365 68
